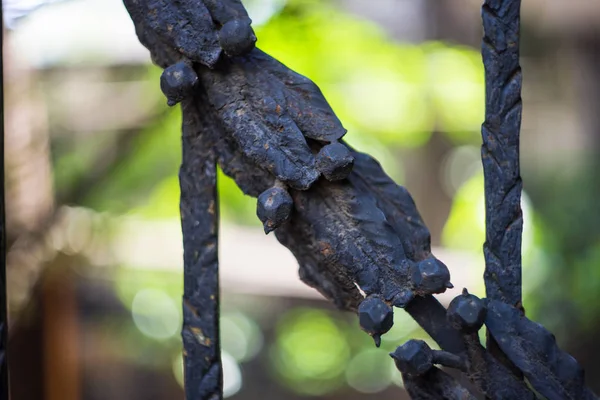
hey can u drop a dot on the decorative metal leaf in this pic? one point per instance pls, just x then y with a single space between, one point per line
252 108
305 102
397 204
533 349
353 238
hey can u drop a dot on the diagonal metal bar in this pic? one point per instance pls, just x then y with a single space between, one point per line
500 150
430 314
4 386
199 221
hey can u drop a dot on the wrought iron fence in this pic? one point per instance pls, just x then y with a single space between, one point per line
357 235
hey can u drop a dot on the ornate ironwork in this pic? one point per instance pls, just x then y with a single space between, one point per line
346 222
4 387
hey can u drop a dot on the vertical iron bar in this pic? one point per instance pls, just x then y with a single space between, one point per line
199 221
500 150
4 387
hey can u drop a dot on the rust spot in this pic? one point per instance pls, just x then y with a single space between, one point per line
325 249
211 208
278 109
170 28
189 305
266 146
199 335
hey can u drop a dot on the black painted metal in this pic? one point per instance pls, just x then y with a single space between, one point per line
500 156
203 374
4 387
347 223
500 150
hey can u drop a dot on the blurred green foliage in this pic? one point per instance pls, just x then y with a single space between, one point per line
565 200
395 92
311 351
317 351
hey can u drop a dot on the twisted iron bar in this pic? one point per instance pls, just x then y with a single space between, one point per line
346 222
500 150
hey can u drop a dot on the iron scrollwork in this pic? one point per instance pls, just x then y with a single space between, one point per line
345 220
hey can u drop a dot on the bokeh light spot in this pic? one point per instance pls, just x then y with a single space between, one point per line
155 314
311 352
240 336
232 375
369 372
